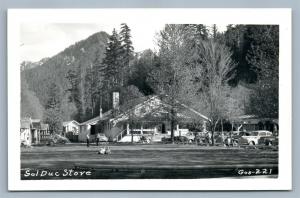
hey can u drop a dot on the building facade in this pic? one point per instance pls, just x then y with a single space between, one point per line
71 130
33 131
149 116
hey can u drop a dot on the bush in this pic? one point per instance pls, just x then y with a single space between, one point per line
57 139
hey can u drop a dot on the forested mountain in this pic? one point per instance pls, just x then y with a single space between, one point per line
29 65
255 49
39 78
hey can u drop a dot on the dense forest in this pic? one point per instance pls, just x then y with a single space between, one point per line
221 74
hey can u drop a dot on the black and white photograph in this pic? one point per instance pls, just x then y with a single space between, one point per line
141 99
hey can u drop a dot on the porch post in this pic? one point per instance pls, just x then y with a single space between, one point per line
127 129
39 134
204 126
141 129
155 130
36 136
177 129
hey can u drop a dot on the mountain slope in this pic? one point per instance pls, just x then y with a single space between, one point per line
80 57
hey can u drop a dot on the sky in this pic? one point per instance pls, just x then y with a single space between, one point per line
39 41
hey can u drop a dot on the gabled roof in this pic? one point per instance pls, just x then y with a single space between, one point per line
158 108
36 120
44 127
97 119
34 124
71 121
25 124
154 106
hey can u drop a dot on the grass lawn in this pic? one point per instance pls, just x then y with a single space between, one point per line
147 161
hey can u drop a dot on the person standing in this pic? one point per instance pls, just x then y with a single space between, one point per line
87 140
98 138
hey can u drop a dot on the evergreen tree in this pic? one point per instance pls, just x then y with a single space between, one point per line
237 39
263 54
214 31
199 31
88 93
256 52
202 31
127 53
54 98
112 61
216 35
142 65
263 58
100 86
128 50
74 79
52 115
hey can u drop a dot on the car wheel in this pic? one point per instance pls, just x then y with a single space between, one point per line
251 143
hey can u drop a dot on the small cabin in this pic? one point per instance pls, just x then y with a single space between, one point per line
71 130
25 132
33 131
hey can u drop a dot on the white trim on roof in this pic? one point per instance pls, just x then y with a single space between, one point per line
96 119
91 121
124 116
194 111
71 121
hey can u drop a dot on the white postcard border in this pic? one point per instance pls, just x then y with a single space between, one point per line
281 17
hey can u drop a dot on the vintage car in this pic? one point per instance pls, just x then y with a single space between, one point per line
102 137
252 137
177 140
269 140
190 136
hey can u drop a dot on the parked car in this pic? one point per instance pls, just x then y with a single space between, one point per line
56 139
159 137
252 137
181 139
177 139
166 140
232 138
236 136
190 136
269 140
102 138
